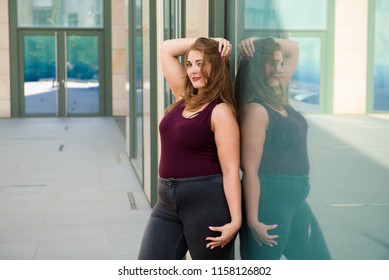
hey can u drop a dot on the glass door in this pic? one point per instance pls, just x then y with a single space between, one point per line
61 74
40 64
82 86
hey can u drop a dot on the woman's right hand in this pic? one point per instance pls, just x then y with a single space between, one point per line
225 47
260 233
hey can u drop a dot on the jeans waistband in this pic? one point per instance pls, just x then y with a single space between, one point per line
190 179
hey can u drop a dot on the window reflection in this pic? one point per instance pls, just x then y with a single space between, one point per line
137 107
285 14
172 29
60 13
40 64
381 57
286 19
304 89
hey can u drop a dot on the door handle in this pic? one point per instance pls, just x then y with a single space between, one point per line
55 84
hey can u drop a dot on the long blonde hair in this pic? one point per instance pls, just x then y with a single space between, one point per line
219 85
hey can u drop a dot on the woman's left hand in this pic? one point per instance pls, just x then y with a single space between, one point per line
228 232
246 47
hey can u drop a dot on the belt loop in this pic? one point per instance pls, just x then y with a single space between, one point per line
170 182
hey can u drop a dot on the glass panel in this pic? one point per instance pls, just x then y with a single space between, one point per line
381 57
82 73
40 74
137 106
268 18
171 31
60 13
285 14
304 88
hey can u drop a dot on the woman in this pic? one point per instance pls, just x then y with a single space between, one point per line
274 160
199 192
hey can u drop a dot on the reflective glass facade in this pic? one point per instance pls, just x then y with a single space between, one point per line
137 104
308 27
60 13
285 14
381 57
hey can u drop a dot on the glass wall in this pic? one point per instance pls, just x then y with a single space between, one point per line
174 27
285 14
304 88
60 13
308 27
137 107
381 56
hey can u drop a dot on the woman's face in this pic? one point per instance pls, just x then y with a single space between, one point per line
193 69
274 70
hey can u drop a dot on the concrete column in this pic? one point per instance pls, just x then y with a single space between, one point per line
5 87
350 56
119 35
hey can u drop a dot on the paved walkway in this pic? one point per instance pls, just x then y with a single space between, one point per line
350 184
65 186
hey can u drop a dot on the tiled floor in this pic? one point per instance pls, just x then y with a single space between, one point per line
64 186
349 158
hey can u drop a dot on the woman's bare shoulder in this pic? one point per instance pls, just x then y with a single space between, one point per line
254 109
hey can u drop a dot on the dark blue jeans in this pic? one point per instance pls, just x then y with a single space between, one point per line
282 202
179 221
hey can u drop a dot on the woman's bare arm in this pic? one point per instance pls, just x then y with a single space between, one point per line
227 140
253 127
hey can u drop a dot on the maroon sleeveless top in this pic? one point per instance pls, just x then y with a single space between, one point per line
188 147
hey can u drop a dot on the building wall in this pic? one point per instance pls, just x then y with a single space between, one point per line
5 87
350 56
119 25
197 23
